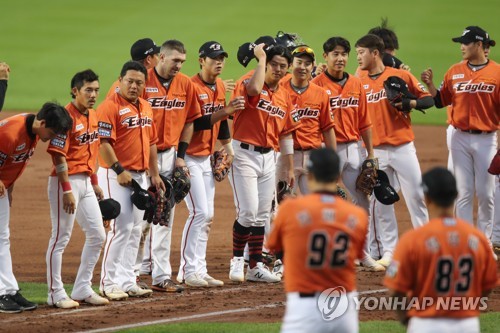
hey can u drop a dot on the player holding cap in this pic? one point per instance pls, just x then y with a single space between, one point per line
200 201
19 136
321 236
447 258
73 193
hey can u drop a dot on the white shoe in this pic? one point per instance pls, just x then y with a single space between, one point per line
278 268
114 293
94 299
370 265
195 281
136 291
385 261
236 270
260 273
66 303
212 282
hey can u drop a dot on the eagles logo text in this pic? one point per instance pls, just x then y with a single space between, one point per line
337 102
372 97
88 138
469 87
135 121
211 108
308 113
167 104
23 157
272 110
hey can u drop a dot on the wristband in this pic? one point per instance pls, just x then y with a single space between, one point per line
181 150
286 146
93 179
117 168
66 187
228 147
61 167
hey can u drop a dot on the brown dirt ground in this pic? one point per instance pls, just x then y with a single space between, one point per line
30 232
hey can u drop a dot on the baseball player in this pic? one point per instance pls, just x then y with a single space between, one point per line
312 105
128 148
391 44
392 140
321 236
144 51
200 201
4 78
73 192
19 136
471 87
445 259
494 169
347 101
173 98
269 110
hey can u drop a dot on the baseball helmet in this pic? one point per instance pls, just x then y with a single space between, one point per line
110 209
384 192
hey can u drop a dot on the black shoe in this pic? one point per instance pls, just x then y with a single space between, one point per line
7 305
23 302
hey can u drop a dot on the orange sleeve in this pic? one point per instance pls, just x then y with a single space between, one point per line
364 119
415 87
153 135
444 90
274 241
107 122
292 119
193 107
326 115
60 144
401 272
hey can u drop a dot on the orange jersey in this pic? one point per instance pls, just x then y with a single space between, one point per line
390 126
173 107
474 96
321 236
115 87
348 104
203 142
17 146
240 83
80 146
446 257
314 114
130 130
265 118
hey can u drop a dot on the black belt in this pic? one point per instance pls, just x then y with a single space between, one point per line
262 150
304 295
303 149
138 171
475 131
164 150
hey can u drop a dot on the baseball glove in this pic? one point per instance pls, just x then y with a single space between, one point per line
283 191
181 183
397 91
341 192
367 178
220 164
155 212
494 168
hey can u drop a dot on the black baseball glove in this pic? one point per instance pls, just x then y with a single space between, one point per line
181 183
397 91
283 191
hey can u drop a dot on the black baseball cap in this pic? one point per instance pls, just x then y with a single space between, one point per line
110 209
474 34
324 164
245 53
440 186
142 48
268 40
383 191
212 50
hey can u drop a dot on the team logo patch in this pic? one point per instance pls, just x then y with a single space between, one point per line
167 104
422 87
328 215
151 89
337 102
266 106
135 121
308 113
88 138
21 146
264 93
329 92
124 111
104 125
79 127
295 116
366 86
104 133
469 87
23 157
457 76
211 108
58 142
203 96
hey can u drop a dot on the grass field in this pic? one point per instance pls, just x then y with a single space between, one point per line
47 42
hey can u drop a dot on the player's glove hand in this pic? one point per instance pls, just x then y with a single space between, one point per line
283 191
220 164
367 178
398 94
181 183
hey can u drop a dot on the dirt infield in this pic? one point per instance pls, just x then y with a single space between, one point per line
248 302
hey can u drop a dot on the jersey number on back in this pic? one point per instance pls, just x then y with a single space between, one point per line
445 274
323 249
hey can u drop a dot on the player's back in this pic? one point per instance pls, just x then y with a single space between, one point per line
322 235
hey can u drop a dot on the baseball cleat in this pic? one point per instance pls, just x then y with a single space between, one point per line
194 280
236 270
94 299
141 283
168 286
66 303
278 268
212 282
7 305
384 261
137 291
114 294
23 302
260 273
370 265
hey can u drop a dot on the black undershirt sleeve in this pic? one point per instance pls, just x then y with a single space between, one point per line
437 100
425 103
224 131
202 123
3 91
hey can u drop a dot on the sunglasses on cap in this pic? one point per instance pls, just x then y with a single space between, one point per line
303 49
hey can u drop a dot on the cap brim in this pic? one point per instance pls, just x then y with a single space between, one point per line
156 49
300 54
492 43
215 54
